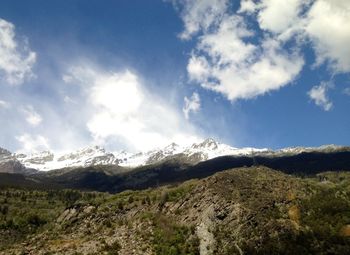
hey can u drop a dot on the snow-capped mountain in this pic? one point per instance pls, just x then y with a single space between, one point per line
95 155
209 149
46 160
323 148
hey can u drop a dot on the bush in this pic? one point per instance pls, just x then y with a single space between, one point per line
4 209
35 220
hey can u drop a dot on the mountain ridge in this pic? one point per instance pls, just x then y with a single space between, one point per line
97 155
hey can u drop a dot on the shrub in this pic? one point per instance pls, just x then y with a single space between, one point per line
35 220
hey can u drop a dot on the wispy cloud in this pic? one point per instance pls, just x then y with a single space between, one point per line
31 116
199 15
192 104
32 143
16 59
4 104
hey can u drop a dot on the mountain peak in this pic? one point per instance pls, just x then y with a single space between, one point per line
208 143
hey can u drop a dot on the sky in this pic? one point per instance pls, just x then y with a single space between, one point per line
136 75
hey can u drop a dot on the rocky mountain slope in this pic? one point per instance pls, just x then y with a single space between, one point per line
10 164
253 210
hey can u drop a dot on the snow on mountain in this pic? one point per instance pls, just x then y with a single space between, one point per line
88 156
95 155
205 150
209 149
323 148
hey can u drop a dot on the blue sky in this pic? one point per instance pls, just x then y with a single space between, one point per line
141 74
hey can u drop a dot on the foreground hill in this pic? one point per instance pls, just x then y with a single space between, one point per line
253 210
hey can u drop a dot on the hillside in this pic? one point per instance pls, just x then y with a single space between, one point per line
253 210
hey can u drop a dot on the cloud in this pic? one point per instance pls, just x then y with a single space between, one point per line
277 16
32 143
31 116
328 26
199 15
247 6
4 104
224 62
241 63
122 109
17 59
309 20
192 104
319 95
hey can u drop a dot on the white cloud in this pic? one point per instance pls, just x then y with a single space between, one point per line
32 143
277 16
192 104
224 62
326 23
232 59
16 59
319 95
247 6
31 116
123 110
199 15
4 104
328 26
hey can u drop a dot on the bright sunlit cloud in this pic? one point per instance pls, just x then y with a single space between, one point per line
123 109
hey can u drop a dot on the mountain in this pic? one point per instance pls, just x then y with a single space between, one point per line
10 164
178 200
115 178
47 160
96 155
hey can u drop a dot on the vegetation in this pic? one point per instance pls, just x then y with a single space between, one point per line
172 239
24 212
248 210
